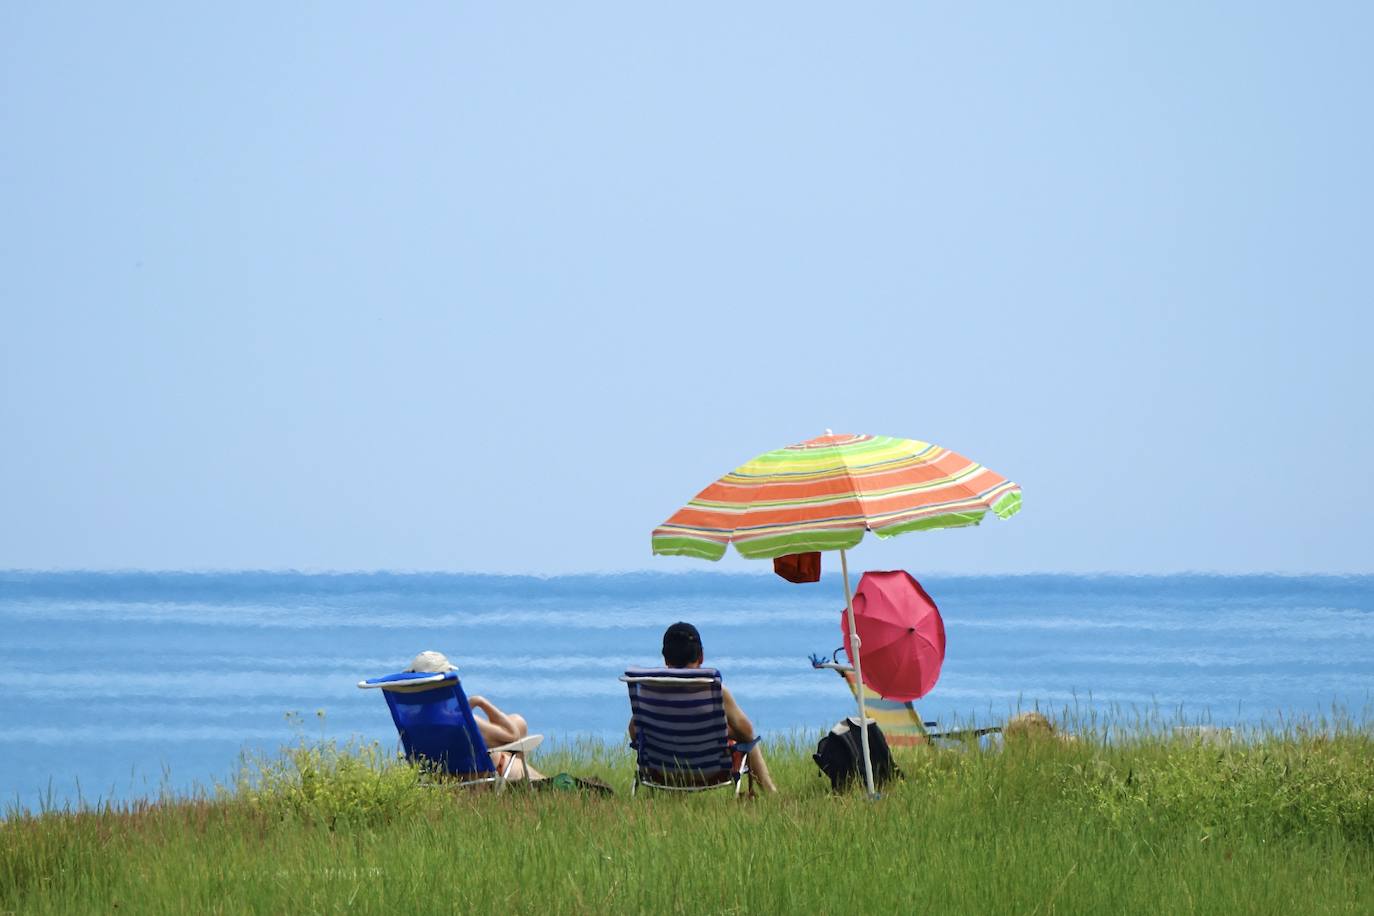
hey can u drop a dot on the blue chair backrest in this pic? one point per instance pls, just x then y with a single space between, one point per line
436 723
680 728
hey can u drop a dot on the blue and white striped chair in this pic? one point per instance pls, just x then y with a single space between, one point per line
682 742
436 726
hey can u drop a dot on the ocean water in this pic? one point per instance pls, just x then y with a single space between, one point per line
118 685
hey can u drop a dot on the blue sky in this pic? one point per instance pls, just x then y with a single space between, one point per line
498 287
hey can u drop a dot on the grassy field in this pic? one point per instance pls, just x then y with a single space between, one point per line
1270 824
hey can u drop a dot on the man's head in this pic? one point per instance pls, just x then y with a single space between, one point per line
681 646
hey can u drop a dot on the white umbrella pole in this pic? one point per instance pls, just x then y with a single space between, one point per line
858 677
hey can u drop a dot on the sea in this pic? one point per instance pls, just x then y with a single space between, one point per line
129 685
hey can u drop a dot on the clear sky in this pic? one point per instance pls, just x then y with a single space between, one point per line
487 286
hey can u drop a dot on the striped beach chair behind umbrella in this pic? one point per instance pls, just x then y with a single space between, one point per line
902 725
682 742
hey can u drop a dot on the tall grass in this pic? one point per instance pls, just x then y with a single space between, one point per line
1280 821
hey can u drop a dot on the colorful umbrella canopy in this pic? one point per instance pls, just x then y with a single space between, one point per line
824 493
901 632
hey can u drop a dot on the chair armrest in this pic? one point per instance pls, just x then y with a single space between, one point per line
523 746
843 669
965 733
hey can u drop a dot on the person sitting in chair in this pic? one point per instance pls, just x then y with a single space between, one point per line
682 649
497 727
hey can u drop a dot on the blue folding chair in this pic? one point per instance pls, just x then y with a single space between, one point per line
437 727
682 742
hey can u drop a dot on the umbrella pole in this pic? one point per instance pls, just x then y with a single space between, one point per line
858 677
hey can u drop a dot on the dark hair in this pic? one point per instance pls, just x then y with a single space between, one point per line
681 645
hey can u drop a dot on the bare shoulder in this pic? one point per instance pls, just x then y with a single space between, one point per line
740 726
728 698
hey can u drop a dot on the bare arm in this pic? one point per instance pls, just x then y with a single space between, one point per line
741 729
496 728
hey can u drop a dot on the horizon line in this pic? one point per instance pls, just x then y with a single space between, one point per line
706 571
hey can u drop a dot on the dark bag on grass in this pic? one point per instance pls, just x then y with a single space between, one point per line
840 754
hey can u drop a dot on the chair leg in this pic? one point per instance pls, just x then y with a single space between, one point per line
744 773
503 777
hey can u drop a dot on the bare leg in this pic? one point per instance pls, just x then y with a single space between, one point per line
519 767
759 770
521 770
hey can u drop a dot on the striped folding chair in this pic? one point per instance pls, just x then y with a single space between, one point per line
902 725
682 742
437 727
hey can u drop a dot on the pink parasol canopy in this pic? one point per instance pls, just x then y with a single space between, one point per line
901 633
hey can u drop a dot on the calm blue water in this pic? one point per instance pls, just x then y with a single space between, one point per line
115 684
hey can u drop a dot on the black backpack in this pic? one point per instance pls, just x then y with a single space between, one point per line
840 754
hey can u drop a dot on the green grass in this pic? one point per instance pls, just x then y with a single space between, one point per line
1275 823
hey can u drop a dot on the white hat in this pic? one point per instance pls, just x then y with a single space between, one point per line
430 662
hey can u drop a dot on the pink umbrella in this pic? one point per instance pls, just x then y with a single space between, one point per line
901 632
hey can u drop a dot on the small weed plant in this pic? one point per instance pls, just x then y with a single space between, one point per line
350 785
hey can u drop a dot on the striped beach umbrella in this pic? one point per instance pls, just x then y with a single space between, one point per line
823 494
